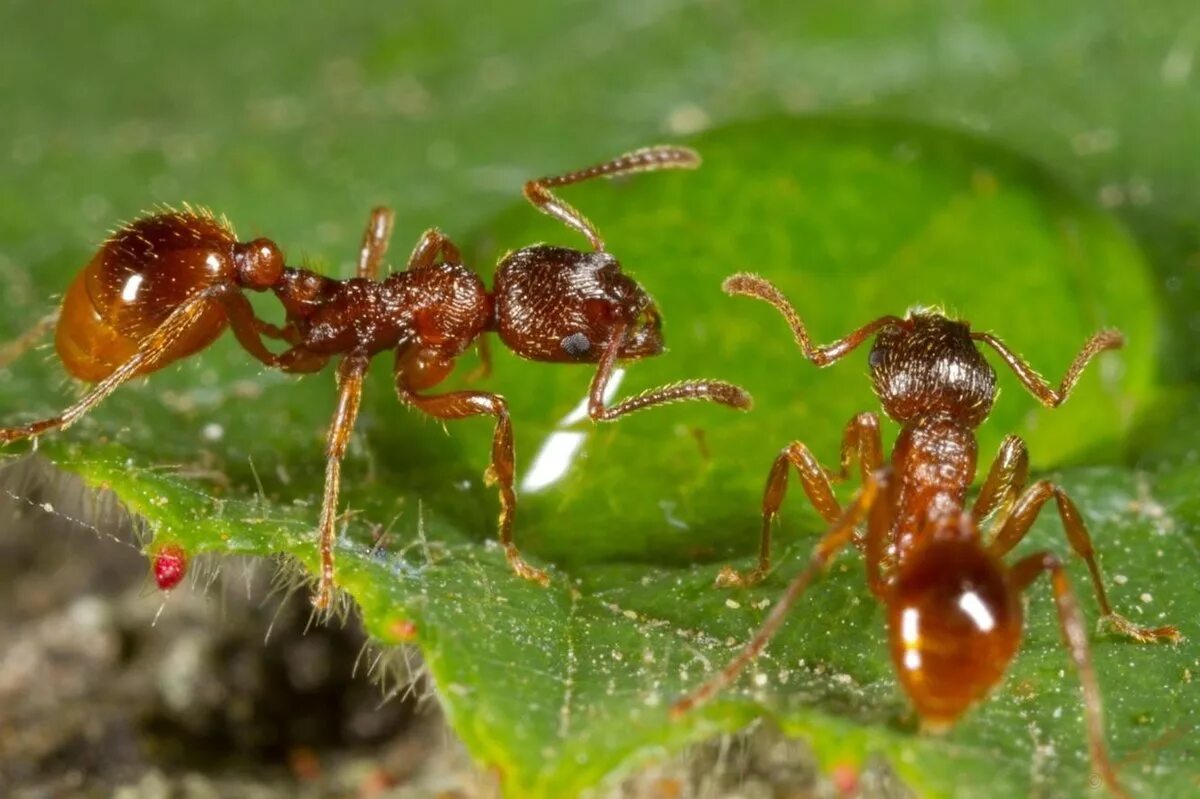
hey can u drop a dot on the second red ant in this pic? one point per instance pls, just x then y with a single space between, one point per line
165 286
953 606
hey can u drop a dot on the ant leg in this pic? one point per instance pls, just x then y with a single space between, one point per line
484 369
375 242
16 348
839 534
165 336
288 333
1035 383
350 376
1074 632
432 244
459 405
861 439
712 390
1016 524
249 330
647 159
745 284
1005 480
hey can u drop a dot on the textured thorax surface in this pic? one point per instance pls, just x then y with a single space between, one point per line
436 307
935 457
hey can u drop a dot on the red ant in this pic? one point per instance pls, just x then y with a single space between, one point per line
166 286
953 606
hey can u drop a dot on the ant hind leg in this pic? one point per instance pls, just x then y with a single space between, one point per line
873 501
14 349
166 336
1016 524
1074 633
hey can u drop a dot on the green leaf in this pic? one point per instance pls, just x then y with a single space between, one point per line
560 688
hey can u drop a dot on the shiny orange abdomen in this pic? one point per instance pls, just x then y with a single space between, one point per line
144 272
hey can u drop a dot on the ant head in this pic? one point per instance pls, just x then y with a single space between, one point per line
259 264
929 365
954 624
557 304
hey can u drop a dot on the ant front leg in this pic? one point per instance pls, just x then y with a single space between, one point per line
249 330
413 371
484 369
1014 526
647 159
1074 632
717 391
744 284
351 373
17 347
861 441
875 502
1035 384
158 343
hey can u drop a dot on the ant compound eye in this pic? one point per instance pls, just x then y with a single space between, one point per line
577 345
875 359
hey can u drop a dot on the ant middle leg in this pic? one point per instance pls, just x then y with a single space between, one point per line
745 284
1005 480
1016 524
375 242
155 346
501 470
717 391
875 502
14 349
861 441
1075 638
647 159
350 376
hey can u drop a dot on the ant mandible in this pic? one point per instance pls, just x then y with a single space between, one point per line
165 286
953 606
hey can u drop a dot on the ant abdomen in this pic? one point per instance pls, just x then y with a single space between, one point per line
562 305
954 623
143 272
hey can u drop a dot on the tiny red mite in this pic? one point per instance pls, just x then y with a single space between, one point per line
165 286
953 606
170 566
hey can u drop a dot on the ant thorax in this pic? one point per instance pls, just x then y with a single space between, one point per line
934 458
927 365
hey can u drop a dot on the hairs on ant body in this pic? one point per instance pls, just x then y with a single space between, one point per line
165 286
953 606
